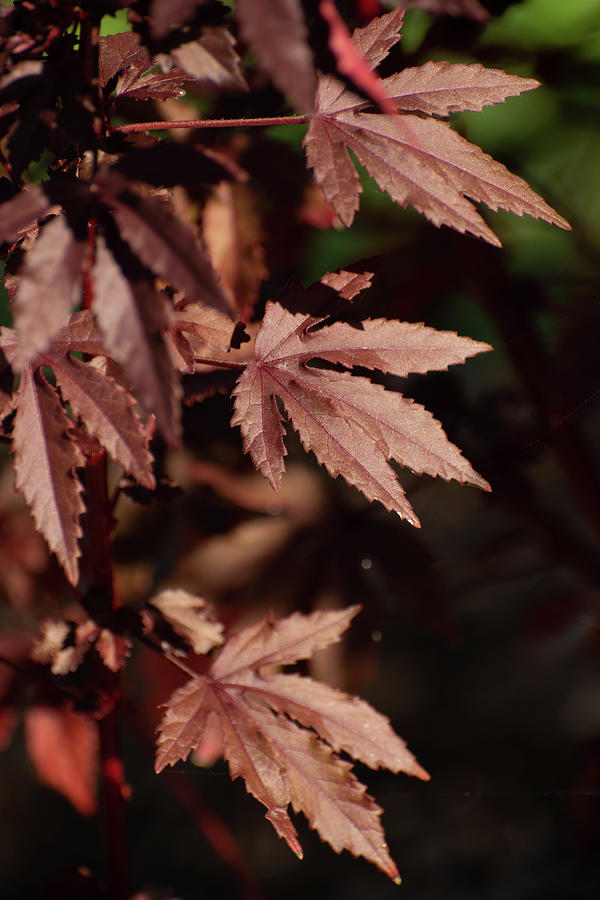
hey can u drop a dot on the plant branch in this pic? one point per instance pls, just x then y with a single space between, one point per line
210 123
97 571
115 791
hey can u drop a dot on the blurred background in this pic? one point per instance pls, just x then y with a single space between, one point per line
480 633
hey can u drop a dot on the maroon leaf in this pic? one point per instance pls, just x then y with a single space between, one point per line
283 642
63 747
419 162
377 38
166 15
45 463
324 788
137 83
351 61
212 58
81 333
201 327
259 722
168 246
277 33
105 406
23 211
346 723
132 316
114 54
442 88
352 425
113 649
49 286
191 617
108 412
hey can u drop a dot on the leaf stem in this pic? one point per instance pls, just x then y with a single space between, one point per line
166 654
210 123
219 363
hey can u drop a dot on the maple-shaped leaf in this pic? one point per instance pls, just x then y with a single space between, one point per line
260 723
105 407
122 55
351 424
191 617
64 748
419 161
135 82
278 34
46 451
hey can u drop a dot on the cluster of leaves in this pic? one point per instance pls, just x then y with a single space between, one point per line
116 298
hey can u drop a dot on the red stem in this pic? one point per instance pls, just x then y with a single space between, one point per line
97 572
88 287
115 792
210 123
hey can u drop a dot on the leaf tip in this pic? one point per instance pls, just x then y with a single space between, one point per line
392 870
419 772
411 519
